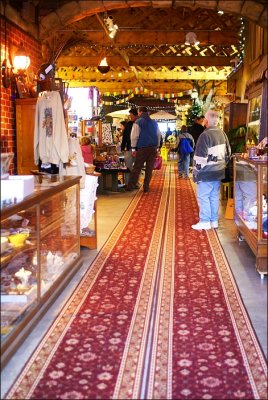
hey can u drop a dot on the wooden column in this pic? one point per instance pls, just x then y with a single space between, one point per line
100 133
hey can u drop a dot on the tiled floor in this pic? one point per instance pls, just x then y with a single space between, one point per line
111 206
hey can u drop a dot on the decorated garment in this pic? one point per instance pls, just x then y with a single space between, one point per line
50 136
87 200
211 152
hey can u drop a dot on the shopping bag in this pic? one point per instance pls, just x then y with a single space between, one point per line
158 162
185 146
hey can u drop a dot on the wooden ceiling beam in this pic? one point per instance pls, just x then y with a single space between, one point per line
181 61
117 61
143 76
146 37
160 87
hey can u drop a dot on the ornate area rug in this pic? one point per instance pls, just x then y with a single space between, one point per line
157 316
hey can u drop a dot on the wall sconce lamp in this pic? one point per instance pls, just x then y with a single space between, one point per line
21 60
191 39
20 64
103 66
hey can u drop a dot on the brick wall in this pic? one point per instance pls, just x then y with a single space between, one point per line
14 36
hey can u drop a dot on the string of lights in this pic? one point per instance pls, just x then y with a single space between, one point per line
241 49
119 101
152 46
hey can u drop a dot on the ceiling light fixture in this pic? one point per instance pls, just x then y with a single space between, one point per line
103 67
194 94
191 39
112 28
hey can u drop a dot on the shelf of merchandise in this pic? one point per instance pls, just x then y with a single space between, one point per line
73 123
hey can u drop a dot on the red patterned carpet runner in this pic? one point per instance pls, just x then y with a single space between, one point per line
157 316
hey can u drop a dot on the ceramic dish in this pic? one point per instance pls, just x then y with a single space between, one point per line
18 239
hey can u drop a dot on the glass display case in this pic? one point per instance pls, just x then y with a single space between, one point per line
40 251
250 197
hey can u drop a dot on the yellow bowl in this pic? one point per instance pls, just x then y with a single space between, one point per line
18 239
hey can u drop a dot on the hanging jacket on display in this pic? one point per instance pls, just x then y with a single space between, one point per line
50 136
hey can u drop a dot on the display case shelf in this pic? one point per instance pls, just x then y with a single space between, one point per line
34 272
250 198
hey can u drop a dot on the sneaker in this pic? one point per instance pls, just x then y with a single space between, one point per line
186 177
214 224
201 225
180 176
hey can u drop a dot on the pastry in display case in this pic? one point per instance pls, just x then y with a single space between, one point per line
250 195
40 251
18 270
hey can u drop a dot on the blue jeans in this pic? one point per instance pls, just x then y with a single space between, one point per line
183 164
208 197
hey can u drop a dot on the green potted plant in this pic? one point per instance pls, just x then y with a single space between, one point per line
237 139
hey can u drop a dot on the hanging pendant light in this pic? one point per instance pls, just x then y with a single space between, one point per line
194 94
103 67
191 39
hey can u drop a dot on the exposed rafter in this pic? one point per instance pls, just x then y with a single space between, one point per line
182 61
145 54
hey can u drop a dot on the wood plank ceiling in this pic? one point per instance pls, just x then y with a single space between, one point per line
148 50
148 54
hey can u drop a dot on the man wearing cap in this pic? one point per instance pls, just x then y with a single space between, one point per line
145 139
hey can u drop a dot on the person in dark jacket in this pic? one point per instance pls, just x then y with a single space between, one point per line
211 152
168 133
145 139
126 143
184 158
197 128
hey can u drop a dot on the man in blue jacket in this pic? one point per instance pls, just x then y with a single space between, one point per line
145 139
